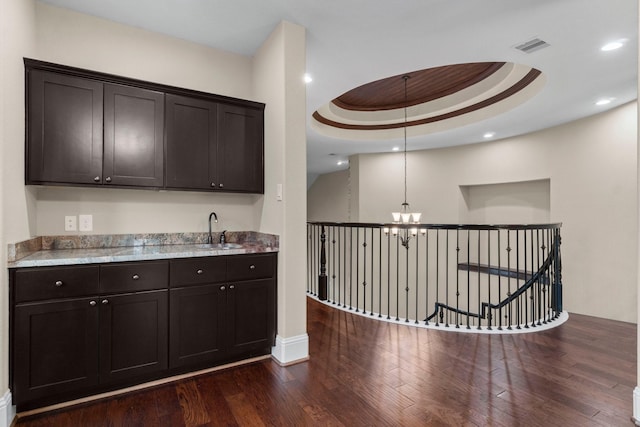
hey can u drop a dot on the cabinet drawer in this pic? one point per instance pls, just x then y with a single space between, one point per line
250 267
56 282
193 271
133 276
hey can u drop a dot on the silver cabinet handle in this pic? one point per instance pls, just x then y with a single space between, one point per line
135 277
96 179
59 283
232 286
199 271
221 185
222 288
105 301
213 184
92 303
108 179
252 267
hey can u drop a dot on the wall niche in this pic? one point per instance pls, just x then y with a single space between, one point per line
522 202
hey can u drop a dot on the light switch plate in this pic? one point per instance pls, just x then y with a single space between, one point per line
86 222
70 223
279 192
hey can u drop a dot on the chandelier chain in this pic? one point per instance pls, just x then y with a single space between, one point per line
406 77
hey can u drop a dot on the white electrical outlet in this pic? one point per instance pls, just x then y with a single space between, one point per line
85 222
70 223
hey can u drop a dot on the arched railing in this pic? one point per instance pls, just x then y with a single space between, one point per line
482 277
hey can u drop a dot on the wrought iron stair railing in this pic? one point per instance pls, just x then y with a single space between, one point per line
483 277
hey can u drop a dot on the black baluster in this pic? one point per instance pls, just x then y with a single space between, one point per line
417 282
364 273
380 272
322 279
489 317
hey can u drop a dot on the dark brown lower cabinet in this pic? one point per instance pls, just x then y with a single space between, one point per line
197 319
133 335
216 322
55 348
72 345
82 330
251 315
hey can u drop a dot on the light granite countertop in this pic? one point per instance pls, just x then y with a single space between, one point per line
71 250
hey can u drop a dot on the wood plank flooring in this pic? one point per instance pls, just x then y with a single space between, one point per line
367 373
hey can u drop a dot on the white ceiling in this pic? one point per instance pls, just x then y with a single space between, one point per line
352 42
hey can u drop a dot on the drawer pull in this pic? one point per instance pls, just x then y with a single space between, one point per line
222 288
199 271
252 267
59 283
135 277
92 303
105 301
232 286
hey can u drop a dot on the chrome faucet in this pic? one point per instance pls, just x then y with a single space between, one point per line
212 214
223 237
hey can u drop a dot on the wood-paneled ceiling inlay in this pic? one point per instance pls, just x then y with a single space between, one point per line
423 86
433 95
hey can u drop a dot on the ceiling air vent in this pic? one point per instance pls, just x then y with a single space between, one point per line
532 45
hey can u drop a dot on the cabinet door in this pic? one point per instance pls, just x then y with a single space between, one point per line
133 136
241 149
191 136
197 317
64 142
251 315
55 348
133 335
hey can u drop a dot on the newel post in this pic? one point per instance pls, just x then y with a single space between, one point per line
322 279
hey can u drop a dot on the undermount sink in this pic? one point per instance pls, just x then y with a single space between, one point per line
220 246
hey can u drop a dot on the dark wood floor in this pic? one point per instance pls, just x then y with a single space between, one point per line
368 373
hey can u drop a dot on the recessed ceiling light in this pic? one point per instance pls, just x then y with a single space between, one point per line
307 78
604 101
342 162
613 45
395 149
489 135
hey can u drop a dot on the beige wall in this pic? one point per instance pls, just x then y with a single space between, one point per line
591 166
328 198
79 40
279 67
16 203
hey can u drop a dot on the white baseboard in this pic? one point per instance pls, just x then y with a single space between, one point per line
291 350
636 405
7 410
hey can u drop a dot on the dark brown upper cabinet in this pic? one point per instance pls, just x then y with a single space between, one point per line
64 142
133 136
240 149
90 128
214 146
192 143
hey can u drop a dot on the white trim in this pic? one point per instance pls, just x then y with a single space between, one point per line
515 329
7 410
636 406
291 350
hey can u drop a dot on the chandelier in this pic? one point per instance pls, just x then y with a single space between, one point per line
405 216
